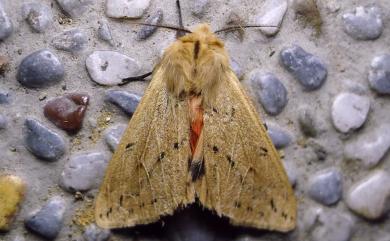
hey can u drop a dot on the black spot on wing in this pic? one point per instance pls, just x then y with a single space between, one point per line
129 145
230 160
196 49
197 169
215 149
263 151
176 145
161 156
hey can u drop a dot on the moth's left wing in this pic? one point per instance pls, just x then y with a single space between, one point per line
244 178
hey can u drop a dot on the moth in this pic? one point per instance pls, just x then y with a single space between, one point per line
196 137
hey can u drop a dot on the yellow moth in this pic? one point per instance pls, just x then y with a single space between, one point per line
196 137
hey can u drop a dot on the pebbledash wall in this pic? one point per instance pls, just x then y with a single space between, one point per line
322 91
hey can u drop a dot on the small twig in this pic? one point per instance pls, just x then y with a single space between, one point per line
136 78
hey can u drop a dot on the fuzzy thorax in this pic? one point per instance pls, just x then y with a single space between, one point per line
195 64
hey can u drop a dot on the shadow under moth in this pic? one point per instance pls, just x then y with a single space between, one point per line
196 137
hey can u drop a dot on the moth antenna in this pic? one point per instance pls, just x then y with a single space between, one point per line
136 78
170 27
237 27
179 33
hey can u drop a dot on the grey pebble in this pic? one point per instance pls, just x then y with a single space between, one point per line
291 170
6 26
147 31
84 171
104 32
198 7
280 138
237 69
39 69
74 8
307 68
326 186
72 41
38 15
127 101
3 122
308 122
43 142
4 98
379 74
113 135
126 8
47 222
269 91
364 23
94 233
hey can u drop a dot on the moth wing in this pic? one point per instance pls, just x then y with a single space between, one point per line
147 175
244 177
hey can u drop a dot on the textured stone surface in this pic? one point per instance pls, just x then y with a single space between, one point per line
75 8
6 26
271 14
48 220
72 40
269 91
110 68
38 16
12 189
379 74
3 122
40 69
308 122
364 23
113 135
370 197
43 142
104 32
326 186
126 8
84 171
127 101
369 147
349 111
94 233
147 31
199 7
67 112
307 68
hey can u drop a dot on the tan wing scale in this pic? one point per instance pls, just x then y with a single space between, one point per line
244 177
146 178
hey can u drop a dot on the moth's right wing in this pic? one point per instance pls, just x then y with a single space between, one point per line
147 175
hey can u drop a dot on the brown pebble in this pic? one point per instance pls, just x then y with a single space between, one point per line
67 112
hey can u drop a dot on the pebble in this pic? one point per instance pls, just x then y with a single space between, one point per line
43 142
39 69
349 111
94 233
280 138
47 221
126 8
271 14
237 69
370 147
310 71
3 122
6 26
67 112
110 68
104 32
291 171
75 8
113 135
329 225
199 7
4 98
147 31
72 41
269 91
38 16
84 172
379 74
364 23
370 196
127 101
12 190
326 186
308 122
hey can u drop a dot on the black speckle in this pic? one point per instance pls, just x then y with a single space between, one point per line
176 145
101 215
161 156
263 151
273 207
142 205
189 160
129 145
121 200
215 110
249 209
265 126
215 149
237 204
284 215
233 111
196 49
154 201
229 158
197 169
